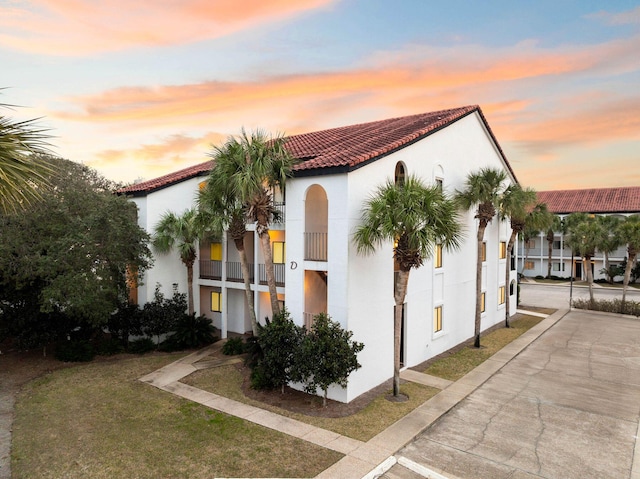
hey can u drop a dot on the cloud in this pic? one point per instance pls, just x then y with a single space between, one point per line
82 27
629 17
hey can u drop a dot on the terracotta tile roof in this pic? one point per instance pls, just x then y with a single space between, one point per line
595 200
344 148
145 187
350 147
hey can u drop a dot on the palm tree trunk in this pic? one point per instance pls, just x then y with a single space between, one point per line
246 277
190 287
265 241
606 268
507 277
550 253
401 292
627 274
587 265
477 326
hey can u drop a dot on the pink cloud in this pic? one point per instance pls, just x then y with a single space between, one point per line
81 27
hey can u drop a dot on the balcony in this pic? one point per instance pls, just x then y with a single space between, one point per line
279 206
234 271
210 269
315 246
278 271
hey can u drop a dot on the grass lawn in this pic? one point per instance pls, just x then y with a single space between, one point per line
99 421
363 425
456 365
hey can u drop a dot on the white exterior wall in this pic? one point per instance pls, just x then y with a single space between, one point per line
167 268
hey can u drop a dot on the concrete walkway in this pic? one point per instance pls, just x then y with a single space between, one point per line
362 459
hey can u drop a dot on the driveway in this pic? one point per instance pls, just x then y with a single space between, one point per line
566 407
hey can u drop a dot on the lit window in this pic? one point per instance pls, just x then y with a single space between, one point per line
503 249
215 253
502 293
216 301
437 319
484 251
438 256
278 252
482 302
202 185
529 265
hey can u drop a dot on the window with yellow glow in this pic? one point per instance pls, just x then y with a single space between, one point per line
216 301
437 319
278 252
484 251
438 256
503 249
502 295
216 252
201 185
482 302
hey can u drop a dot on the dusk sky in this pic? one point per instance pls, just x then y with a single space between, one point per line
140 89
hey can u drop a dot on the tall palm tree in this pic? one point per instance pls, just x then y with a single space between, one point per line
609 242
24 170
483 190
584 233
515 204
415 218
226 212
259 165
184 233
629 231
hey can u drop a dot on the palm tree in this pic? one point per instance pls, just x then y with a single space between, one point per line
257 166
415 218
515 204
609 242
24 170
629 231
226 212
584 233
184 233
483 191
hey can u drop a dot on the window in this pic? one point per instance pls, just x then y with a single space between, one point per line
512 287
439 184
400 173
438 256
556 244
202 185
484 251
530 244
437 319
216 301
483 298
558 266
529 265
215 253
502 293
278 252
503 249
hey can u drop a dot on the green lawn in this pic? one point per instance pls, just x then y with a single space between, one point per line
99 421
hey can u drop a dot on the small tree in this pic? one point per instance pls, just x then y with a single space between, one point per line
161 315
279 340
326 356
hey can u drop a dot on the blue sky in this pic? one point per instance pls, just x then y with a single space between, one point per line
139 91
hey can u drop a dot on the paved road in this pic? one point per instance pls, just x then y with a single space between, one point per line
567 407
555 296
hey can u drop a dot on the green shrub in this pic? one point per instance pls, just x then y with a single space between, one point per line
141 346
109 347
74 351
609 306
233 346
192 332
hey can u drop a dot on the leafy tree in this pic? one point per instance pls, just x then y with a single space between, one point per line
584 233
629 231
182 232
609 241
24 171
326 356
225 211
482 192
279 341
254 165
415 218
71 251
515 204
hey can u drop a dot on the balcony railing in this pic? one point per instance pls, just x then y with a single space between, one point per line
210 269
279 206
278 271
234 271
315 246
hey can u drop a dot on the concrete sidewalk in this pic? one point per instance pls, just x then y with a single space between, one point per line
362 459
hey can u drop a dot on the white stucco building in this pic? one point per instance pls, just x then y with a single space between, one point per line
318 268
534 255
